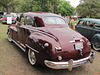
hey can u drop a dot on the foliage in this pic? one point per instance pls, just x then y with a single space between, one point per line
38 5
65 8
54 6
7 4
89 8
1 8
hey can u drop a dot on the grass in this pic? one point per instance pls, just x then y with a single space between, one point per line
3 35
6 48
3 40
11 57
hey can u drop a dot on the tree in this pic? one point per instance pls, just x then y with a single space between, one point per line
1 8
7 4
65 8
39 5
54 6
89 8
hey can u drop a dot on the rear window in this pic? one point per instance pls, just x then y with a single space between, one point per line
97 25
54 20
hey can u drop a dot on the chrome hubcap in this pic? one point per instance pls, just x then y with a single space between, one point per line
9 37
31 56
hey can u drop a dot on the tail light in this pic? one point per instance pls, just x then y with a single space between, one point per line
58 49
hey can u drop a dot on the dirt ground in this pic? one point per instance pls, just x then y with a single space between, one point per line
13 61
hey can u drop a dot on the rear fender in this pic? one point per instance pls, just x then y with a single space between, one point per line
33 43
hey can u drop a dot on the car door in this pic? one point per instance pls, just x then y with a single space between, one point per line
80 27
29 22
88 29
85 29
20 26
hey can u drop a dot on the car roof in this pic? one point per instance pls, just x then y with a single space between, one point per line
91 20
41 14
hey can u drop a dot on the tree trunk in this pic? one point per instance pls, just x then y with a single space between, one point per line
7 10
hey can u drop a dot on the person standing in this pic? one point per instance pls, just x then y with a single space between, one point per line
72 24
18 16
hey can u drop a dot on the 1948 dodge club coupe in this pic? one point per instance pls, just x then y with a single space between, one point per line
48 40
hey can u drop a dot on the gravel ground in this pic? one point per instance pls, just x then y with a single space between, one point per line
13 61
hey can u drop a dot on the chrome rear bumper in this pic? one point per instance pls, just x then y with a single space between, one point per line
69 64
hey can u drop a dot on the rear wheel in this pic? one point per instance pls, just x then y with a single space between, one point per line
9 37
32 57
96 47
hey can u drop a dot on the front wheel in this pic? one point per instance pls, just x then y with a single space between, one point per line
96 47
32 57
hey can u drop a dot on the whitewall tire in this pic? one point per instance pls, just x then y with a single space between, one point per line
9 37
96 47
32 57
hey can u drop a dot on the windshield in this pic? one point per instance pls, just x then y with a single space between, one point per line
8 15
53 20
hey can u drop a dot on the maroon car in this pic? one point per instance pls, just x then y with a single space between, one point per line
48 40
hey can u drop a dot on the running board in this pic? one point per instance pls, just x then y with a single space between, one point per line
19 46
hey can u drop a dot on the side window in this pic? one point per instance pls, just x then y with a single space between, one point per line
89 24
81 23
22 19
29 21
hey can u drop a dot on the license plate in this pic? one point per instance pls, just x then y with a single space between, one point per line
78 46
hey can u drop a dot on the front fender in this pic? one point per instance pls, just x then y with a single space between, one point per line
96 39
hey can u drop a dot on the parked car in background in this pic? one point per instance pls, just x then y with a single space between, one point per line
4 19
90 28
48 40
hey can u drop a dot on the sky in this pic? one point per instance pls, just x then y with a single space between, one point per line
74 3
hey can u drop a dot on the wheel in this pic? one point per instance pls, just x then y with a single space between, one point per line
32 57
9 37
96 47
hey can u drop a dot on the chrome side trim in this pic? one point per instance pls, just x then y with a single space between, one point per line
40 32
31 48
19 45
69 64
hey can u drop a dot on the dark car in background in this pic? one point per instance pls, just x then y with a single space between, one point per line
90 28
4 18
48 40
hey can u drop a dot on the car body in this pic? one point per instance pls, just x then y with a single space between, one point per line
90 28
4 18
48 40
